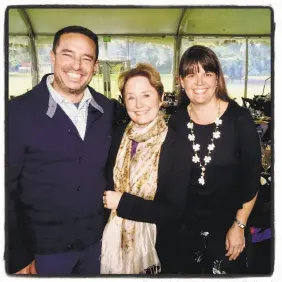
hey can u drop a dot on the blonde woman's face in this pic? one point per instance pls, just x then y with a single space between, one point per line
142 100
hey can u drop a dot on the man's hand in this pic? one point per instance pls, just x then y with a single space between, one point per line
29 269
32 268
111 199
25 270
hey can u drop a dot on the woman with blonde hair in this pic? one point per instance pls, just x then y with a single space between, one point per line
148 174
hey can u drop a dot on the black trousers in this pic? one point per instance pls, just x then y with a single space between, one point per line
203 252
85 262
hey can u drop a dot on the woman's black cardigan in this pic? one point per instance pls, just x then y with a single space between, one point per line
167 207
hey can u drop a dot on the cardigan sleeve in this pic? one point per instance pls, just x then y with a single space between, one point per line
250 157
173 121
170 198
178 122
17 253
117 134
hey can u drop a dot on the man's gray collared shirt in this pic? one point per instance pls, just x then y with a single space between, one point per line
78 115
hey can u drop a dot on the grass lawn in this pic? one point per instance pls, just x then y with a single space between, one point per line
19 83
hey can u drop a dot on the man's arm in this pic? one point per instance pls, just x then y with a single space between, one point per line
17 253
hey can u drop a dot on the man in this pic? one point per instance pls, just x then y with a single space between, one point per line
59 134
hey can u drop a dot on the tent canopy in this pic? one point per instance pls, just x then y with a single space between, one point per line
159 21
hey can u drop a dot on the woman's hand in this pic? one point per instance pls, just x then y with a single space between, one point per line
235 241
111 199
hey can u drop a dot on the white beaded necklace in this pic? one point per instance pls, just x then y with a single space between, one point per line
196 147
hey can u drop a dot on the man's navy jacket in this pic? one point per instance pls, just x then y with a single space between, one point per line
55 180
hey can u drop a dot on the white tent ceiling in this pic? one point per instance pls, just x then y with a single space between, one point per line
143 21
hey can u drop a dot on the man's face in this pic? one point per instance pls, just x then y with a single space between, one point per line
74 63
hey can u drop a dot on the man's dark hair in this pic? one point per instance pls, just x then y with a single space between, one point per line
76 29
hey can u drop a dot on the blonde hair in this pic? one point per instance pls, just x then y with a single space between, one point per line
145 70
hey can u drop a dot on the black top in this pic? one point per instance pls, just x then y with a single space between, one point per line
233 175
169 202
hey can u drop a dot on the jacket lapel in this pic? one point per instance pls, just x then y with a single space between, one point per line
63 120
93 115
41 104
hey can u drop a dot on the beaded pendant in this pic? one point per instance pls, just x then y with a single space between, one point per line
196 147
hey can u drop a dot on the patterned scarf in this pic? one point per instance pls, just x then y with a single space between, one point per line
128 247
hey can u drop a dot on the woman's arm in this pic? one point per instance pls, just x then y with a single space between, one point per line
235 238
172 189
250 169
244 213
